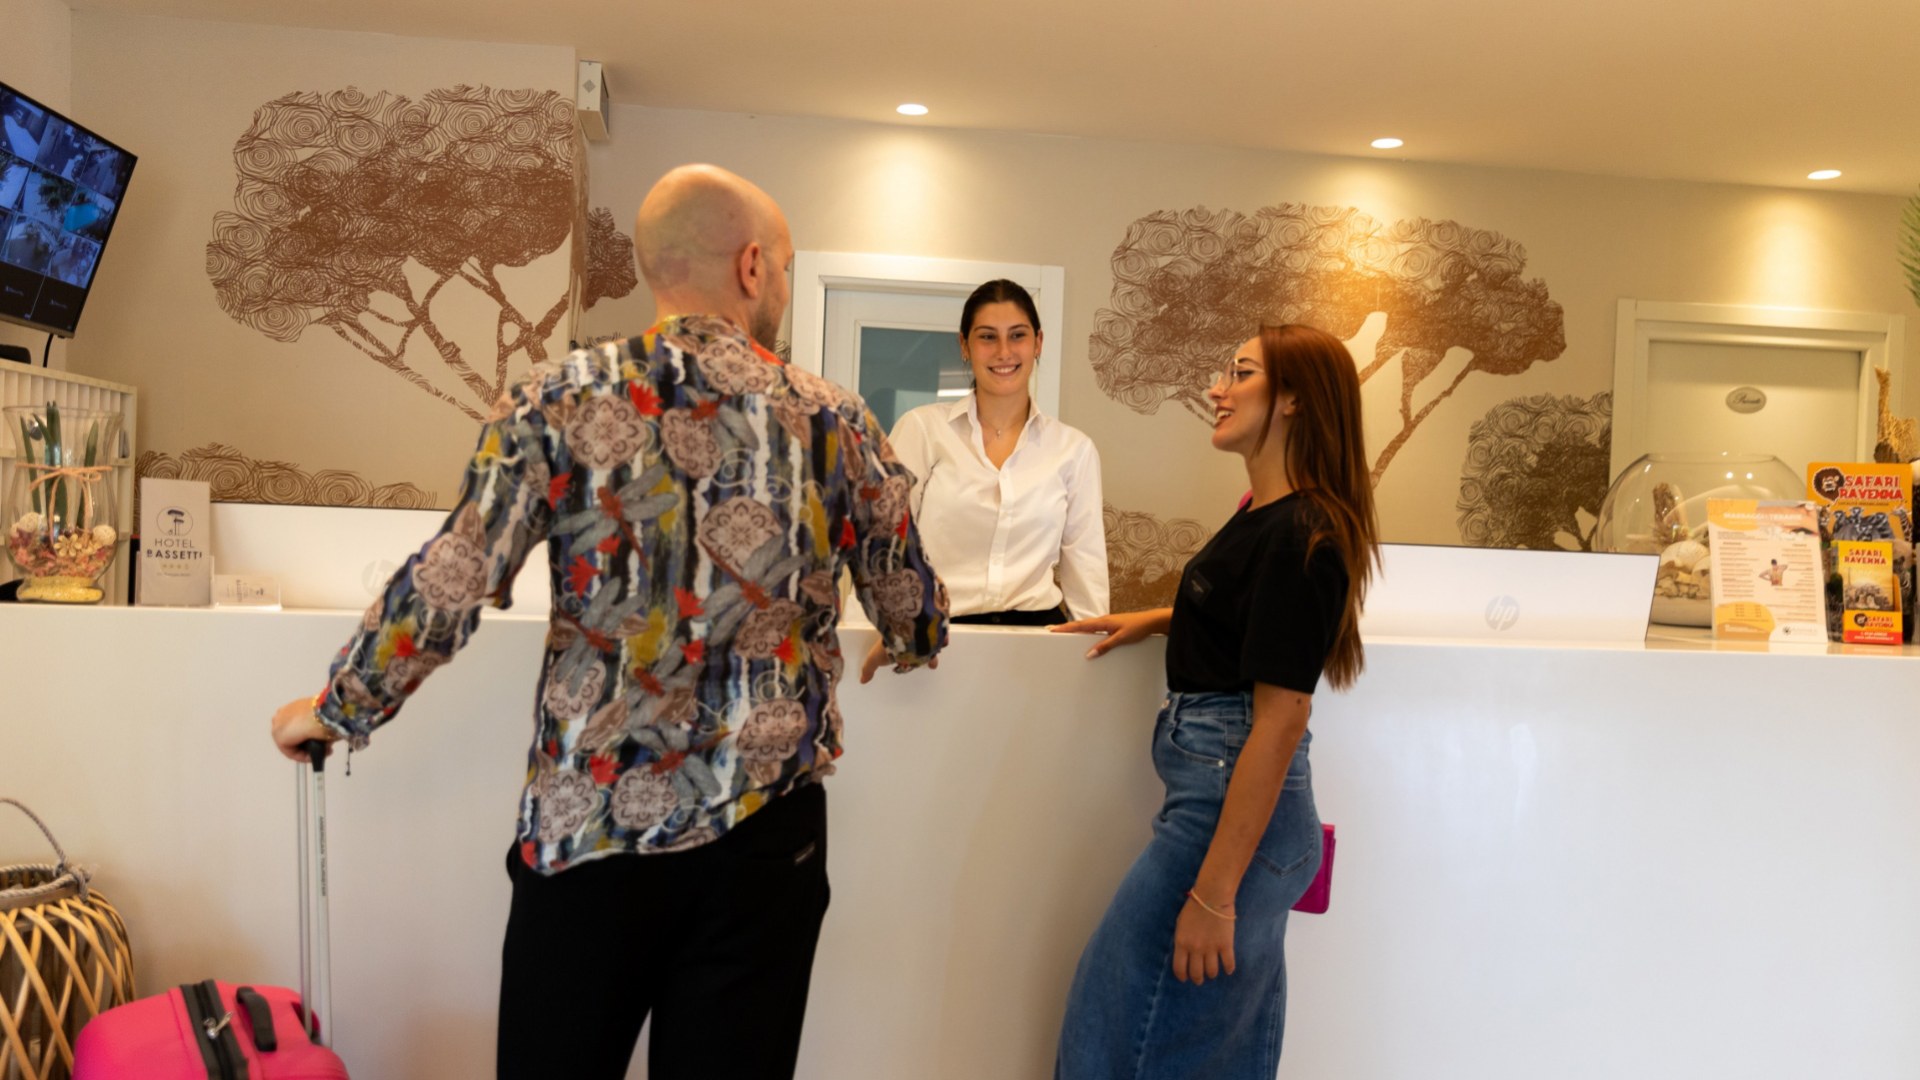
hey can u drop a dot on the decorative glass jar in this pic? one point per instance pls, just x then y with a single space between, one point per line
59 509
1658 506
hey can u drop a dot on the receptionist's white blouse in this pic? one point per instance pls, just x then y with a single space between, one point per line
996 535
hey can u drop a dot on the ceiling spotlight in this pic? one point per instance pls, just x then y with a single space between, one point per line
1824 174
1388 144
912 110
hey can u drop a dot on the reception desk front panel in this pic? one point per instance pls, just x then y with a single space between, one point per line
1662 860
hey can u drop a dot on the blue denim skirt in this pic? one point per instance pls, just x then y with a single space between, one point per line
1128 1018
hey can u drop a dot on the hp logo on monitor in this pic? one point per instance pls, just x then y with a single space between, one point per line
1502 613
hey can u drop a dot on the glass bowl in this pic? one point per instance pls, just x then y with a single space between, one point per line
1658 506
58 514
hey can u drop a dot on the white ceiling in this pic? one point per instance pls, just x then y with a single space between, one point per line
1746 91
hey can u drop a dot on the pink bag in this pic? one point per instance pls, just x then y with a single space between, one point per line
1319 894
211 1030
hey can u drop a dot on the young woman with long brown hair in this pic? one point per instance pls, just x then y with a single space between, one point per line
1186 974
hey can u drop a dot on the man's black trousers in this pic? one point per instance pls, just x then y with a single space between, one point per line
715 943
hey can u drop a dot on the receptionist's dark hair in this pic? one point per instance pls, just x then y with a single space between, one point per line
998 291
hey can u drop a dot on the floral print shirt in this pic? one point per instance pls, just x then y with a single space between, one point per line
699 500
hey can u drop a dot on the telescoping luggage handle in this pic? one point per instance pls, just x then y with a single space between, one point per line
316 971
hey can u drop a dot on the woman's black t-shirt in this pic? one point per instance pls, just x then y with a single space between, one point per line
1252 607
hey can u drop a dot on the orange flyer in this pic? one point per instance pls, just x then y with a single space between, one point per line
1766 580
1864 504
1871 605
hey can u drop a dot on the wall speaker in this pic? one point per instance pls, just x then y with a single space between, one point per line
590 96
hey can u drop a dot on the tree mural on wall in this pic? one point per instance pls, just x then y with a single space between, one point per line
356 212
1146 555
610 264
1189 286
1536 472
234 477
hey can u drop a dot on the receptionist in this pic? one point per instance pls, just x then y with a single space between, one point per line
1008 498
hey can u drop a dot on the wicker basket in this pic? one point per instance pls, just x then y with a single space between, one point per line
63 959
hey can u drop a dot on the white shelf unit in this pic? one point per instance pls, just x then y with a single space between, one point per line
21 385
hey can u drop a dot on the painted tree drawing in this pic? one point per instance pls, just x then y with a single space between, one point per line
235 477
1145 556
1536 473
610 264
357 213
1189 286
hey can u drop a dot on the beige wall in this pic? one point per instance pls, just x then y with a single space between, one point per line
180 94
1038 199
36 53
36 57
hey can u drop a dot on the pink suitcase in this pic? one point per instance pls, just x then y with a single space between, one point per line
212 1030
220 1031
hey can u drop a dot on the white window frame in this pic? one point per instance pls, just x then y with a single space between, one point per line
1880 339
815 272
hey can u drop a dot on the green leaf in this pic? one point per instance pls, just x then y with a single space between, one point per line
26 454
56 456
1910 246
93 443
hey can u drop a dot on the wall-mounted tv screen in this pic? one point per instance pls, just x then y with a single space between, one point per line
60 192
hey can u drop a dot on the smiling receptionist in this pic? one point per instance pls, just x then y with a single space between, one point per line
1007 495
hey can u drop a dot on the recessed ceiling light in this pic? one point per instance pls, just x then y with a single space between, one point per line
1388 144
912 110
1824 174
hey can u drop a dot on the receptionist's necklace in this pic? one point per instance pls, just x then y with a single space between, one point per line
1001 433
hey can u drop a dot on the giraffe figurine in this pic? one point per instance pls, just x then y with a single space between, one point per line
1897 441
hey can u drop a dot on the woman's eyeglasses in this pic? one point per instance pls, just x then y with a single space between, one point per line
1225 375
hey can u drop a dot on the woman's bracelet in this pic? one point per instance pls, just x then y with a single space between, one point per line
1210 909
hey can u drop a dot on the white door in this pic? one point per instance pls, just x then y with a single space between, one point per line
1797 403
1791 382
899 350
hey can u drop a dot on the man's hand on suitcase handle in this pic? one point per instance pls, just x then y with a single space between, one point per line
295 725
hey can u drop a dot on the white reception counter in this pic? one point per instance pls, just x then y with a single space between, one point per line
1662 860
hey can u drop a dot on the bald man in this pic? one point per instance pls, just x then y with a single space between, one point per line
710 242
699 500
